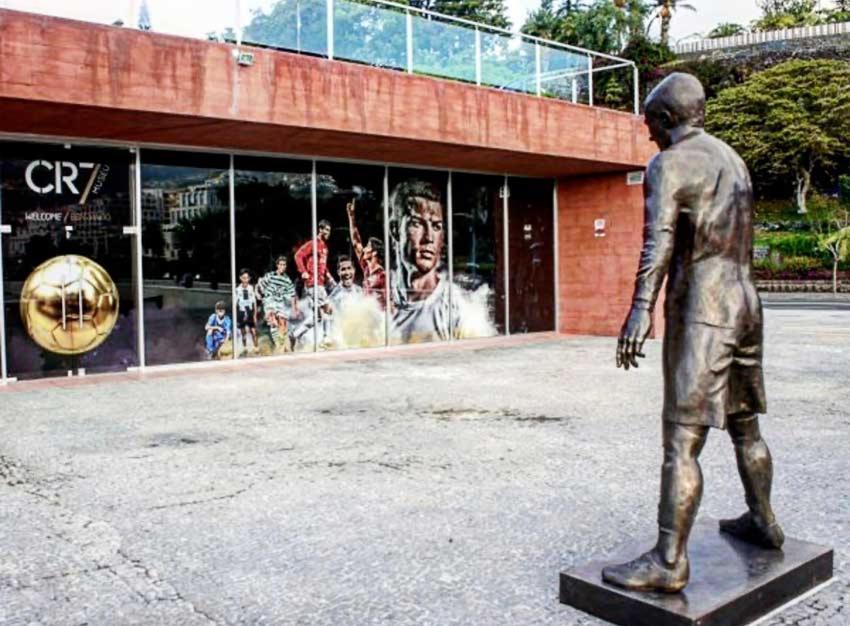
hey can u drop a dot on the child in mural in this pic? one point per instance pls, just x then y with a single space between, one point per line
219 329
425 306
280 303
370 258
316 276
246 309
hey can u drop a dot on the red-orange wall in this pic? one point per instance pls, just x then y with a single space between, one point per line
63 77
596 275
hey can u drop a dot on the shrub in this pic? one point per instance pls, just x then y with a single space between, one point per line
789 245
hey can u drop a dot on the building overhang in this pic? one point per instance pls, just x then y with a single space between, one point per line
67 78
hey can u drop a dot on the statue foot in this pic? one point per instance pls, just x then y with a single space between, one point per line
754 530
648 573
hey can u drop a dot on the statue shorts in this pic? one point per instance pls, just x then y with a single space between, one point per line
711 372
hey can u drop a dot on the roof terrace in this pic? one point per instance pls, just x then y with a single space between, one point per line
378 33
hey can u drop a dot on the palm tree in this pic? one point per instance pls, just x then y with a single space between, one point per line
665 10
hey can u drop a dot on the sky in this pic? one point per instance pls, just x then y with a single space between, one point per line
183 17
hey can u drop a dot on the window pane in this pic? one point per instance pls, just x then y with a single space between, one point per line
441 48
477 247
563 74
532 268
369 33
293 25
69 284
351 200
186 241
421 296
273 249
508 62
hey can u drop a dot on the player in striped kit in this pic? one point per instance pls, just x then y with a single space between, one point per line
280 303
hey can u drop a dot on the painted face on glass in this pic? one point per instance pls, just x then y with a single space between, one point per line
324 232
346 273
280 267
245 277
424 235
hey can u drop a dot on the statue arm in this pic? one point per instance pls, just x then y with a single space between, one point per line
660 215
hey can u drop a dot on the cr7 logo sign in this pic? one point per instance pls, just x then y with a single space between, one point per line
59 177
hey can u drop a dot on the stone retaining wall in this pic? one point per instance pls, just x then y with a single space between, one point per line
818 286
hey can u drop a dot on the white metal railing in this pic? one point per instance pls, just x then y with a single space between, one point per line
381 33
749 39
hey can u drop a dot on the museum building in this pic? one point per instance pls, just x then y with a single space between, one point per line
274 178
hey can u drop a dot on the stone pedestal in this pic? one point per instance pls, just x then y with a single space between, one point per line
732 583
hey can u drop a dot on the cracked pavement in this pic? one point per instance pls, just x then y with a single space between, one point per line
428 488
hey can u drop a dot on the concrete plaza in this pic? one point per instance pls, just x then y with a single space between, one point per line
440 487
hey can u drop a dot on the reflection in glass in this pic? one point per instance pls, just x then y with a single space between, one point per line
350 198
68 271
477 247
371 34
563 74
508 62
443 49
293 25
186 257
273 223
532 265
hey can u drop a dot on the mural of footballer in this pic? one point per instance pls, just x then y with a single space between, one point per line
423 300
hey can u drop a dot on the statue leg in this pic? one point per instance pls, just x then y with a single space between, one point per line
755 466
665 567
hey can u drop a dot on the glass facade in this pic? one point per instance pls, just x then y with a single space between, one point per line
236 256
350 200
67 260
186 256
273 217
478 250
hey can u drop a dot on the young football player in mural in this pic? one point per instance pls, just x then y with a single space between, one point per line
280 304
246 310
425 305
218 330
316 275
370 258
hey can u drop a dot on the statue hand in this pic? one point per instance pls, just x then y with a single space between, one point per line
635 330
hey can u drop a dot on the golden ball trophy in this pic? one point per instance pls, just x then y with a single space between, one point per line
69 305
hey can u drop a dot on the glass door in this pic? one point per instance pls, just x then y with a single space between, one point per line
68 240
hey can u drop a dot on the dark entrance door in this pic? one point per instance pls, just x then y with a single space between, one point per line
531 275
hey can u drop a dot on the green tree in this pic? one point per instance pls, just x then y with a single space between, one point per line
544 22
777 14
726 29
834 238
599 25
664 10
648 56
489 12
788 122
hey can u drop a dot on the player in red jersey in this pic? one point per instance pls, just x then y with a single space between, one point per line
316 276
370 258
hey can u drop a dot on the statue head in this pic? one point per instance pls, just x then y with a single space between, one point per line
676 102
